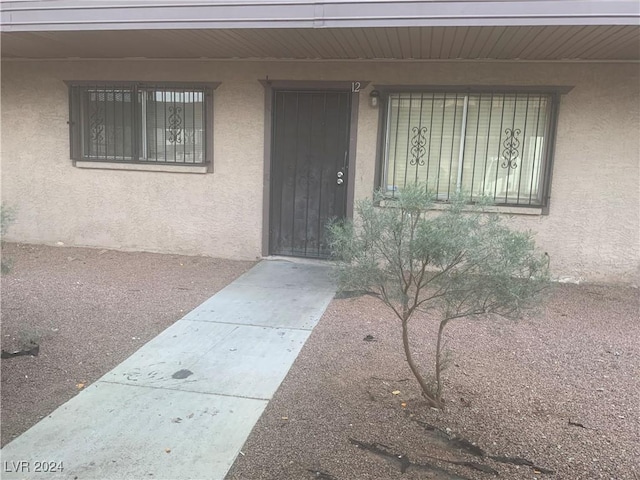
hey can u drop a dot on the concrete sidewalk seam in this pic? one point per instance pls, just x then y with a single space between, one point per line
287 287
111 382
246 325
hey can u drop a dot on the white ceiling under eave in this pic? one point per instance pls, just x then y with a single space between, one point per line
545 43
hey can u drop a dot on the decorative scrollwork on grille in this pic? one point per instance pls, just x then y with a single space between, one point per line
418 143
511 146
175 125
96 125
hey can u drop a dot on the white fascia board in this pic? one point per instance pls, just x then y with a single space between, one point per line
61 15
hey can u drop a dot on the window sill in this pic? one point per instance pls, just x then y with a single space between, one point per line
489 209
142 167
502 209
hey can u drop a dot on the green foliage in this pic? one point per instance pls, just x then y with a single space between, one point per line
7 216
451 262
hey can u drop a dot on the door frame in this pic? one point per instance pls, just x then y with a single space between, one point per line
303 85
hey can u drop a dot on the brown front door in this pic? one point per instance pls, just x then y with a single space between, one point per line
309 174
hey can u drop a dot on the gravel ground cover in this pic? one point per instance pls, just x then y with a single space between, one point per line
553 396
88 310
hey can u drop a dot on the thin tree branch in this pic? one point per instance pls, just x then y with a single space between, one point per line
387 302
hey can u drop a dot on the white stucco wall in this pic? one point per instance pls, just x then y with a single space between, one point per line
592 231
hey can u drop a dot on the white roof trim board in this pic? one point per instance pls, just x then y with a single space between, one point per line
77 15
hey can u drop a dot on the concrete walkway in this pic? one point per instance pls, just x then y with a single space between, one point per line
183 405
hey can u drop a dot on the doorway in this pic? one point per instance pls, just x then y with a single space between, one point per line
310 142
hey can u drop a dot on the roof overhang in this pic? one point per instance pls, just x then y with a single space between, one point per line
540 30
59 15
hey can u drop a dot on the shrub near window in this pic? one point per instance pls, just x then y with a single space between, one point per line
7 217
447 265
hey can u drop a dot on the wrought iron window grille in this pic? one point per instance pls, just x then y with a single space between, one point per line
495 145
164 124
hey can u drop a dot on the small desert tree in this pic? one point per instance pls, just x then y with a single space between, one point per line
453 263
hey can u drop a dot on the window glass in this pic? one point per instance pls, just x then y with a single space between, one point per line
482 144
174 125
139 124
107 127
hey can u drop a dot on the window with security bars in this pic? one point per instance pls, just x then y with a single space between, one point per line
492 145
138 123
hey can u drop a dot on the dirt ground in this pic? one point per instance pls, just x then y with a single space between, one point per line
554 396
88 310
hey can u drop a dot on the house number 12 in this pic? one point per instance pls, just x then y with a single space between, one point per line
355 87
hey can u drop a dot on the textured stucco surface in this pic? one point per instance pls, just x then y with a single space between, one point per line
591 233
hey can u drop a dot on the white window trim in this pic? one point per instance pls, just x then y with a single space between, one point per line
141 167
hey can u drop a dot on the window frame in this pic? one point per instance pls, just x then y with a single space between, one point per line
554 92
75 88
